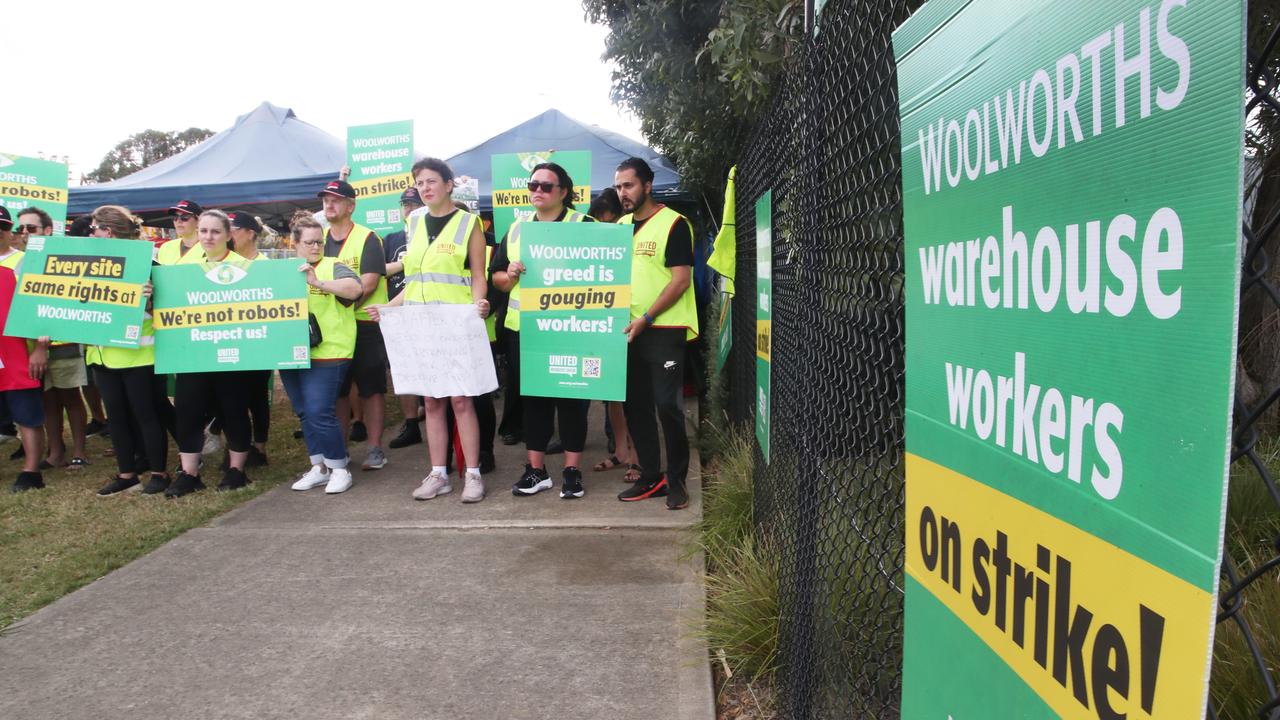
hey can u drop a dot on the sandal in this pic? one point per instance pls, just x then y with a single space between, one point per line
78 463
633 473
608 463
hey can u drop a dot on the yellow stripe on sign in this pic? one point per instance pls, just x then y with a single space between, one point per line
1086 625
764 339
519 197
606 297
65 287
261 311
37 193
385 185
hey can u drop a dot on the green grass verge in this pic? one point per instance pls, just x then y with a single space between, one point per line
56 540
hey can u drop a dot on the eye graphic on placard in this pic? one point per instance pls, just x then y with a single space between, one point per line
225 274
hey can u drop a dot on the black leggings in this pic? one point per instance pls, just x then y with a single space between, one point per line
225 394
539 422
138 415
260 404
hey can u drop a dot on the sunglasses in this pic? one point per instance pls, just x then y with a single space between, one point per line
28 229
535 186
183 218
96 228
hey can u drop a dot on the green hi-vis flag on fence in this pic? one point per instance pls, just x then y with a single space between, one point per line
229 316
575 301
511 183
380 157
31 182
81 290
764 320
1071 210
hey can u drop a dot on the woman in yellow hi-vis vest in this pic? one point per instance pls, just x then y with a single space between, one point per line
444 263
332 291
200 395
551 194
139 416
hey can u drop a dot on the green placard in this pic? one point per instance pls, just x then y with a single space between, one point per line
225 316
575 301
81 290
1072 201
764 319
32 182
380 157
511 183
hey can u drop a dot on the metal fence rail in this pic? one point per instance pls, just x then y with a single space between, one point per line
830 504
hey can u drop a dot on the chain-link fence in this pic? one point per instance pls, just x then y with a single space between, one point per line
830 503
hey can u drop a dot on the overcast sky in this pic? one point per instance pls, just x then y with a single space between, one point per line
114 69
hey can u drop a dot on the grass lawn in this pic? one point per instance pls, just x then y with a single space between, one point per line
56 540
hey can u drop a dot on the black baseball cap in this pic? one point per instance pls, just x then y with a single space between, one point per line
6 220
411 197
244 221
341 188
186 207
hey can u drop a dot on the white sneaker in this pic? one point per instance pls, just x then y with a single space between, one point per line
473 488
339 481
318 475
433 485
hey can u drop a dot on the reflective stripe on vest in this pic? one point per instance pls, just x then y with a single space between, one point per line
337 322
349 254
512 322
434 271
650 274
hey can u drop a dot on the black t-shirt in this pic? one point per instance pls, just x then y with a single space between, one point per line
679 242
372 259
394 246
500 260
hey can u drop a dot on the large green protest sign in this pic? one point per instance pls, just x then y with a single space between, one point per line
380 157
764 320
81 290
225 316
511 183
31 182
1072 200
575 301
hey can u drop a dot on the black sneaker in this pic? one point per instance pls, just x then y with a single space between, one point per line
677 497
511 438
184 485
117 485
555 447
533 481
359 433
644 490
93 427
233 480
297 434
572 488
257 458
157 484
28 481
409 435
487 463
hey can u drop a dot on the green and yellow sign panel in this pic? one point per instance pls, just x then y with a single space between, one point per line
231 316
764 320
381 158
1072 200
31 182
575 302
511 183
81 290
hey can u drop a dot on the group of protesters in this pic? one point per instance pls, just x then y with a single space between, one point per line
442 255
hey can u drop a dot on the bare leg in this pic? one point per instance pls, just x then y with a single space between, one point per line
53 427
374 410
76 418
438 431
33 447
464 412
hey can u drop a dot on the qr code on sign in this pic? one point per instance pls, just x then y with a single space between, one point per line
131 332
590 367
300 352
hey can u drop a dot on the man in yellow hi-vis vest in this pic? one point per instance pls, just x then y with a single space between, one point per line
663 319
360 249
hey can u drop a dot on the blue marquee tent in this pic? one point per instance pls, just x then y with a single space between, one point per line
553 130
269 163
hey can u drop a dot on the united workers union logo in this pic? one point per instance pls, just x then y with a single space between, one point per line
6 160
225 274
529 161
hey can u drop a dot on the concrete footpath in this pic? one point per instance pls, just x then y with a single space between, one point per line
372 605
